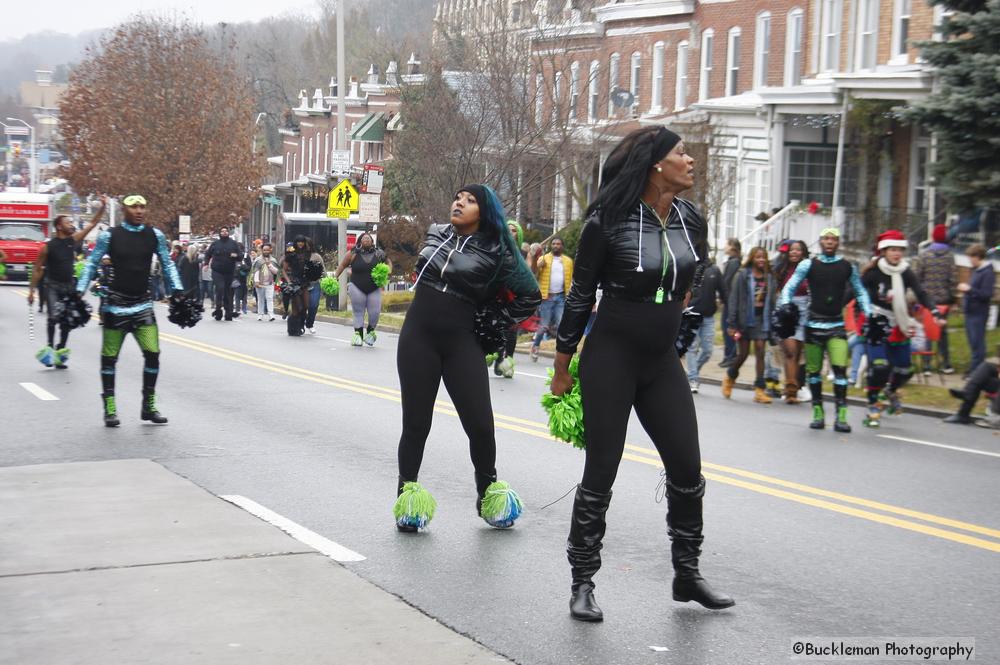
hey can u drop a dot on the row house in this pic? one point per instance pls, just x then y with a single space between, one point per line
771 82
294 200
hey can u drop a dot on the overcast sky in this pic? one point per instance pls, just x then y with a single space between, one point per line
73 16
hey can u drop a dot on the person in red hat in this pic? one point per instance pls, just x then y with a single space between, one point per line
936 273
889 365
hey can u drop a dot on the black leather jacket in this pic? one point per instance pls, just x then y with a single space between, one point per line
608 257
473 268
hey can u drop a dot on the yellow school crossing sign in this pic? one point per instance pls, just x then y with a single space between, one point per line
343 200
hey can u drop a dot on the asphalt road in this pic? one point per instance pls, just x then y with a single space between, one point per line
890 533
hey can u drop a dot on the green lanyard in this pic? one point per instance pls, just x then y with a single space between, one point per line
666 254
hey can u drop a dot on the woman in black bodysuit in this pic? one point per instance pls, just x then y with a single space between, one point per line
642 245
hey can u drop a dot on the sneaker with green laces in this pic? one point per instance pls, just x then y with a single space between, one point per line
819 418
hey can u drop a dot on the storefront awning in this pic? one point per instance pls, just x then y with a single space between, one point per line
371 128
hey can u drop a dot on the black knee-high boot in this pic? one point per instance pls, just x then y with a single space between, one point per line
583 549
684 527
149 374
108 391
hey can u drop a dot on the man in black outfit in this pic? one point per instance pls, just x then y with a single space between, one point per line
224 254
55 264
732 266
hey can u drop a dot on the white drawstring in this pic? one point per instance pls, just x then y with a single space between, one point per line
684 226
638 267
439 248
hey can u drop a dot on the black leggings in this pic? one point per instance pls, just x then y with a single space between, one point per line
629 360
436 343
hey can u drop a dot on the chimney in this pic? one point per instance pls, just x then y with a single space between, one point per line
303 99
318 99
333 86
373 74
413 65
390 73
354 88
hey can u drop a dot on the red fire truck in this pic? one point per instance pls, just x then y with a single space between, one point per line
25 223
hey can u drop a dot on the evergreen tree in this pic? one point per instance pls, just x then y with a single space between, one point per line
964 110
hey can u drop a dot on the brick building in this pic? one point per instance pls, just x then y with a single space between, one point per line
772 80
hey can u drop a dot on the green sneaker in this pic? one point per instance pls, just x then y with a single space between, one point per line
356 340
819 418
110 411
841 425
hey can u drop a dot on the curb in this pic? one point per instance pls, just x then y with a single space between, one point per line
827 397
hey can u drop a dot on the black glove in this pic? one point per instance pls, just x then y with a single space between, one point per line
876 329
690 323
785 319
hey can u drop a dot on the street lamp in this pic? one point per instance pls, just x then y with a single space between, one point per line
34 153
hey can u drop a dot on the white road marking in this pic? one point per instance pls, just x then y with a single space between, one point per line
537 376
940 445
39 392
296 531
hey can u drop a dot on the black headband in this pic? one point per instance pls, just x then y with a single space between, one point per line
663 142
478 191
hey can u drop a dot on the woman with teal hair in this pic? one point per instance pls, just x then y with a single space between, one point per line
503 360
465 267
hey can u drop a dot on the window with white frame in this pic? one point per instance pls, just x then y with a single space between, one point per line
302 156
594 90
733 62
557 97
574 89
729 205
289 173
811 174
831 15
793 47
539 99
920 200
635 67
762 50
613 65
867 52
901 29
658 52
756 193
705 73
680 91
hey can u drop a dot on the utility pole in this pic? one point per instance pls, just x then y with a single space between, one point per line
341 145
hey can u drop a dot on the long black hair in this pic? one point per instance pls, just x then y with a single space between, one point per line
626 170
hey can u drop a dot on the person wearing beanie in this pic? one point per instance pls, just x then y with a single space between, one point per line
829 277
363 289
468 271
889 363
936 272
646 248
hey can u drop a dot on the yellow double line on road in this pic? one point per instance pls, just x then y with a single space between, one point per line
903 518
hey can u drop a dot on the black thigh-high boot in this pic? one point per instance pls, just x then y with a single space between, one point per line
149 374
108 391
583 549
684 527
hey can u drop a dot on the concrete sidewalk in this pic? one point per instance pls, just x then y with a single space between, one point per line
126 562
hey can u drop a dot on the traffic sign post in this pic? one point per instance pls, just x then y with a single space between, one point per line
343 200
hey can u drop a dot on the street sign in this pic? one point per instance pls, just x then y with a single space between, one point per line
16 130
272 201
343 200
371 183
369 208
184 224
340 161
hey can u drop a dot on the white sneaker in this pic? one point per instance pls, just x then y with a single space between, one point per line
694 387
260 318
311 331
272 318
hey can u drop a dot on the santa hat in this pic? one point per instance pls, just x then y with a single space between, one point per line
891 238
940 233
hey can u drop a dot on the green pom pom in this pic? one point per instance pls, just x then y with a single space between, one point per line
414 506
492 358
329 285
566 411
3 270
501 505
380 274
77 269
